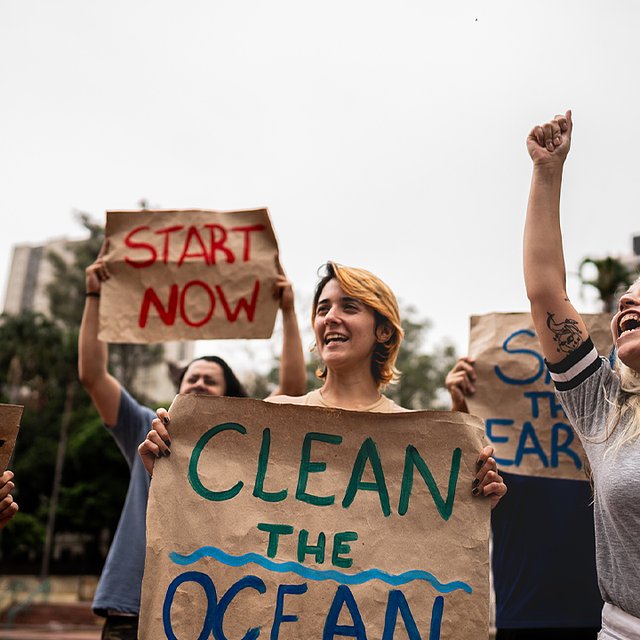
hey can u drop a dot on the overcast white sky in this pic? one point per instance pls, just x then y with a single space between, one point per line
386 135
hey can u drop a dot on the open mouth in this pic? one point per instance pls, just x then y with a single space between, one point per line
332 338
628 323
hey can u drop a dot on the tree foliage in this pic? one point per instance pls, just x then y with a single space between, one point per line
612 276
422 370
66 302
38 368
66 290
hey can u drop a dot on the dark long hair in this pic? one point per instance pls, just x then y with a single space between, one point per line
232 386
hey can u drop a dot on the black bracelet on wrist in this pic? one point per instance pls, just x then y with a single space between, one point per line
92 294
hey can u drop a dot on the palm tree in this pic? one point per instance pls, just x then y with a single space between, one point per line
612 276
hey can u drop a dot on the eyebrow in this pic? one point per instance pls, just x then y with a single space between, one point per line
343 299
212 376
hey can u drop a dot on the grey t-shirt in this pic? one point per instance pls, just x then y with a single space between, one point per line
587 387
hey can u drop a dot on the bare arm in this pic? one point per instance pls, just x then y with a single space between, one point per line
558 325
93 355
293 373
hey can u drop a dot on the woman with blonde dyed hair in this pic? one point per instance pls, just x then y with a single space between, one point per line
357 328
364 286
602 404
356 323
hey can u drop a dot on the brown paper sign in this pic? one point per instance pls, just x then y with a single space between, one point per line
515 396
10 415
290 522
187 275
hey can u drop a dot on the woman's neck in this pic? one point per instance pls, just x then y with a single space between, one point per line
349 390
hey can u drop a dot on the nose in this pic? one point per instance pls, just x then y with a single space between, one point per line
332 316
627 300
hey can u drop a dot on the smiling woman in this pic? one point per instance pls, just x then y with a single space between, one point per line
348 294
357 334
602 403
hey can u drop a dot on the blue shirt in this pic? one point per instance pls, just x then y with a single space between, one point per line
121 580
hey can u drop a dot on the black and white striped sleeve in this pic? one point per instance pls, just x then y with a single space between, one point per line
576 367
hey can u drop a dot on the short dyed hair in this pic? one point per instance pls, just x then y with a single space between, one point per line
232 386
373 292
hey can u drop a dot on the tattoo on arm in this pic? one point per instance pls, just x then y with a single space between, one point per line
566 333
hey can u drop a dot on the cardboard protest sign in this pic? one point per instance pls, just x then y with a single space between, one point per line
187 275
10 415
515 396
289 522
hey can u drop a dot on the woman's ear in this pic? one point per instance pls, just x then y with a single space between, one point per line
384 331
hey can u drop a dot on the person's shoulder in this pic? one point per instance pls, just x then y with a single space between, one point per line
387 405
131 411
396 408
287 399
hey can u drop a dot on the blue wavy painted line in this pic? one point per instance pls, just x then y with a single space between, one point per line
318 574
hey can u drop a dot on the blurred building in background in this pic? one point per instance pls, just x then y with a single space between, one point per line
29 275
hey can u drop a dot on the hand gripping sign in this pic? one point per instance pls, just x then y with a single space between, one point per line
515 396
10 415
287 522
187 275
